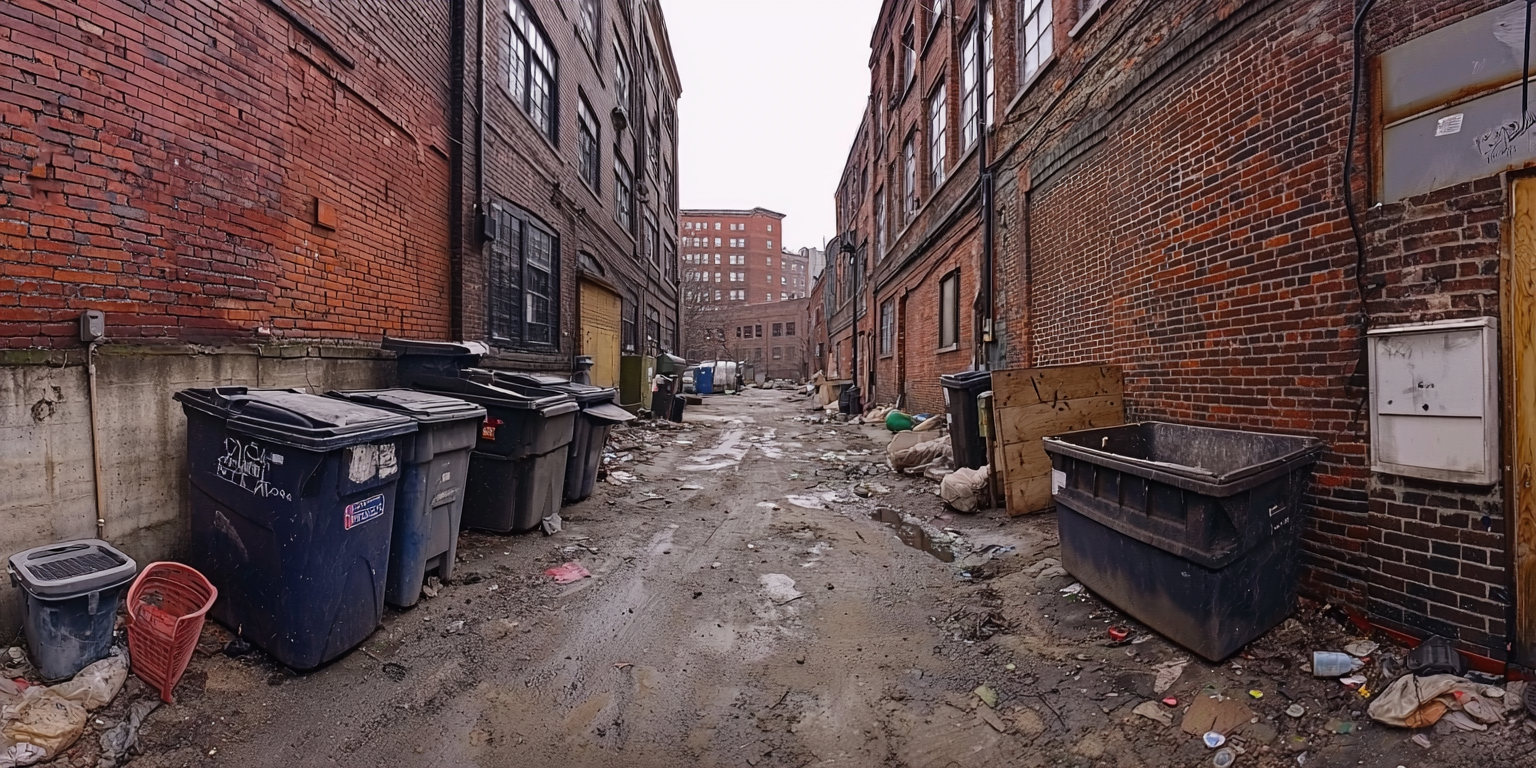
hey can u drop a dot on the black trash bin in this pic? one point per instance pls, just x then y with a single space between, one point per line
71 591
661 397
517 470
430 499
1192 530
599 412
415 358
293 498
960 393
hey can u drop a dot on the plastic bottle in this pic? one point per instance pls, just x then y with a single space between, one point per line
1334 664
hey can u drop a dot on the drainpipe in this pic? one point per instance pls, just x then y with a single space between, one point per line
988 320
101 493
456 216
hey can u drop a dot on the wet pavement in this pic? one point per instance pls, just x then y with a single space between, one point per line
765 592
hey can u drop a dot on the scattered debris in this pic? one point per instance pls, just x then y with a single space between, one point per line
1436 656
552 524
780 588
962 489
117 741
1075 588
1206 715
1119 634
987 695
1151 711
567 574
1213 739
1168 673
620 477
1295 710
1334 664
691 487
1422 740
1416 702
1362 648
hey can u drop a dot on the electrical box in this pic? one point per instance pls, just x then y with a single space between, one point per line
93 325
1434 400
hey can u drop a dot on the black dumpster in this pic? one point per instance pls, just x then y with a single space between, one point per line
71 591
517 471
292 501
960 393
1192 530
430 499
599 412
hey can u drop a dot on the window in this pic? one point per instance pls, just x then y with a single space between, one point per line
938 133
778 353
770 243
623 195
620 77
524 281
589 23
988 92
770 227
909 175
768 297
949 311
908 57
717 242
880 223
783 296
668 188
887 326
653 148
758 331
652 240
778 329
1035 30
589 156
627 333
970 87
738 328
789 329
532 76
669 260
717 229
935 15
669 337
782 280
652 329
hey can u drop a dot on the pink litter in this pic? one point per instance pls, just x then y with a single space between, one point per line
568 573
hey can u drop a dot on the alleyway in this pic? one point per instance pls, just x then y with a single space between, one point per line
746 610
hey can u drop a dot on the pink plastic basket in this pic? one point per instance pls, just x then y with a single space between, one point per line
166 606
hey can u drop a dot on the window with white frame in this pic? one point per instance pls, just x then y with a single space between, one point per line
880 222
909 174
938 125
1035 31
621 75
589 20
908 56
623 195
887 326
533 66
970 88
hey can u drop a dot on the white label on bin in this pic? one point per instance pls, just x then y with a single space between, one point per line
370 461
361 512
1058 481
446 477
276 458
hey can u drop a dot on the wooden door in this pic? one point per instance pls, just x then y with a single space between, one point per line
1520 394
600 327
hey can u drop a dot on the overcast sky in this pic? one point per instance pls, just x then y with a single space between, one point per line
773 91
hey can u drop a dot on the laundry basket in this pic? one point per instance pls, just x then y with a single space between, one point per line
166 606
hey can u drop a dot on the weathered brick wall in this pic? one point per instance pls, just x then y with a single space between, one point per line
165 167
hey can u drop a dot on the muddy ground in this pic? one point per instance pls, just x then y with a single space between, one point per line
747 608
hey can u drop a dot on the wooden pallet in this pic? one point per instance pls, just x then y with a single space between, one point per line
1031 403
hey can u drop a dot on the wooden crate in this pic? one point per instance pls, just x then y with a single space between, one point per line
1031 403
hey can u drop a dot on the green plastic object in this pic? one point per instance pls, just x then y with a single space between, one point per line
897 421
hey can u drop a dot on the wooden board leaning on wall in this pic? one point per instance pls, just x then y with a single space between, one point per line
1032 403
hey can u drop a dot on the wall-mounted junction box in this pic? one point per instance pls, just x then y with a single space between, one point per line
1434 400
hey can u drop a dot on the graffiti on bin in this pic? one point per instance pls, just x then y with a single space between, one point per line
246 464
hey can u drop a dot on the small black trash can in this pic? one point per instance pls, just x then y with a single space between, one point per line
517 470
960 393
430 499
1192 530
71 591
293 498
416 358
599 412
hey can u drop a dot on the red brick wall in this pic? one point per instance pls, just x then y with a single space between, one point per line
165 168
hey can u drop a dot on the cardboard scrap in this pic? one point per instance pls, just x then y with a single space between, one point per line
1208 714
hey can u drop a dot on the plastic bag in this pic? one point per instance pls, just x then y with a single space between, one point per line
962 488
95 686
1416 702
920 455
46 720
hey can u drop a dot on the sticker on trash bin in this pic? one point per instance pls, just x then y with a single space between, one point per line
1058 480
370 461
361 512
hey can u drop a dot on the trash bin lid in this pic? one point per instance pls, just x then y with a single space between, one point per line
608 411
967 380
424 407
585 394
297 418
435 348
491 396
71 567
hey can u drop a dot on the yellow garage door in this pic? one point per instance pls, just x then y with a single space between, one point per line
600 311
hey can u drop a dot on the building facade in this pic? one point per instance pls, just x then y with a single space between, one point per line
1227 200
255 193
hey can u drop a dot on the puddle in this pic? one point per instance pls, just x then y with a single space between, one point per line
913 535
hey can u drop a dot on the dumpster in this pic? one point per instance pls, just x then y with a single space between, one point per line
414 358
517 470
430 499
71 591
1192 530
960 393
292 500
599 413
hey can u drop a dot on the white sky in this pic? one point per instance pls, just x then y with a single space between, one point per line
773 91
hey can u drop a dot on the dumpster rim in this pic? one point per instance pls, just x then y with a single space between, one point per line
473 411
1190 478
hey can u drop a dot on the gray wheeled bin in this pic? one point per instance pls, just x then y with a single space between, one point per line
1192 530
293 498
71 591
430 499
599 412
517 471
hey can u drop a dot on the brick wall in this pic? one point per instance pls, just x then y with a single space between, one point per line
202 171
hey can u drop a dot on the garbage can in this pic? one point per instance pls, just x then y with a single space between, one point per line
415 358
430 499
599 413
661 398
71 591
517 470
292 501
960 393
1192 530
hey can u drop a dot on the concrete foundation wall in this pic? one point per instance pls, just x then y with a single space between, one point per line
49 491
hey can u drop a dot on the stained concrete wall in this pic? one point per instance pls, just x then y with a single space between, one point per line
47 487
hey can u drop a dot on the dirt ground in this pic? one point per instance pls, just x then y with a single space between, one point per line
748 608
